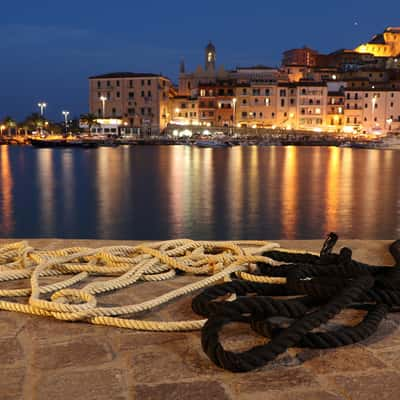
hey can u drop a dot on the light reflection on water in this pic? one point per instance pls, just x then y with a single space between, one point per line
178 191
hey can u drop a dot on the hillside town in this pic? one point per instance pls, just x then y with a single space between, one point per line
349 91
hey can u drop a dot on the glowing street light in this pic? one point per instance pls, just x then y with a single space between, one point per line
42 106
66 114
103 100
2 127
234 101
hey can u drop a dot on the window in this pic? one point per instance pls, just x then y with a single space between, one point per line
291 102
261 114
131 95
202 92
117 83
366 95
131 83
391 104
244 101
118 95
108 84
142 93
283 103
131 111
142 111
244 114
282 93
98 84
114 111
149 82
244 91
267 92
211 113
149 93
142 82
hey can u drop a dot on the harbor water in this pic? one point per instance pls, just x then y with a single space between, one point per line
163 192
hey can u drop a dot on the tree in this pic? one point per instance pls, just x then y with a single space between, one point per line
34 121
89 120
10 124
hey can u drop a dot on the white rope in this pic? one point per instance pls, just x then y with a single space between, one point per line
123 266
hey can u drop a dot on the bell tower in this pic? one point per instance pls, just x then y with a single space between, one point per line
210 57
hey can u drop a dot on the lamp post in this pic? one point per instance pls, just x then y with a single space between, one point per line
66 114
42 107
103 100
389 122
374 99
234 101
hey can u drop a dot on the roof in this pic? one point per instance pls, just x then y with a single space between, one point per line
126 75
378 39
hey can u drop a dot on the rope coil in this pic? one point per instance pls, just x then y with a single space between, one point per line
123 266
318 286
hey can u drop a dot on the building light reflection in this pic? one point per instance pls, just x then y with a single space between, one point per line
46 195
6 187
289 193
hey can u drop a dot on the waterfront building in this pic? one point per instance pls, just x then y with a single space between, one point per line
373 110
256 104
140 100
185 110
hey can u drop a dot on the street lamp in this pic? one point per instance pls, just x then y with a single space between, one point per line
42 107
66 114
389 122
103 100
2 127
234 101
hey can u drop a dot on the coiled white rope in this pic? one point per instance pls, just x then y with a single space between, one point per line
123 266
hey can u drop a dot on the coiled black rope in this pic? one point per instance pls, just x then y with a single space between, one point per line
317 289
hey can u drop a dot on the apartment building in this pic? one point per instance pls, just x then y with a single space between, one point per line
372 110
137 100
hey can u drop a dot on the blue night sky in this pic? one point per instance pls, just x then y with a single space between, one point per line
48 48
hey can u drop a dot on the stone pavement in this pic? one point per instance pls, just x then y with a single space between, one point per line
42 358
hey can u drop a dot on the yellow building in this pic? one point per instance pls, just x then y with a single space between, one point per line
386 44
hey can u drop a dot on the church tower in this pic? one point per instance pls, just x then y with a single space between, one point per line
210 57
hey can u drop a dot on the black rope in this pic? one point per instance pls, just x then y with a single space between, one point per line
317 289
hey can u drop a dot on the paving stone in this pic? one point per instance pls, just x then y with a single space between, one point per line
332 361
387 336
10 351
391 358
276 379
93 384
209 390
129 340
167 364
49 329
309 395
290 394
382 386
78 352
11 383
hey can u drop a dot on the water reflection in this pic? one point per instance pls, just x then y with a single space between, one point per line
6 200
180 191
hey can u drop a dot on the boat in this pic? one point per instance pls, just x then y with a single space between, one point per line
45 143
211 143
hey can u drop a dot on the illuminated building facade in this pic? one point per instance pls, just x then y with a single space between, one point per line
138 100
386 44
372 110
